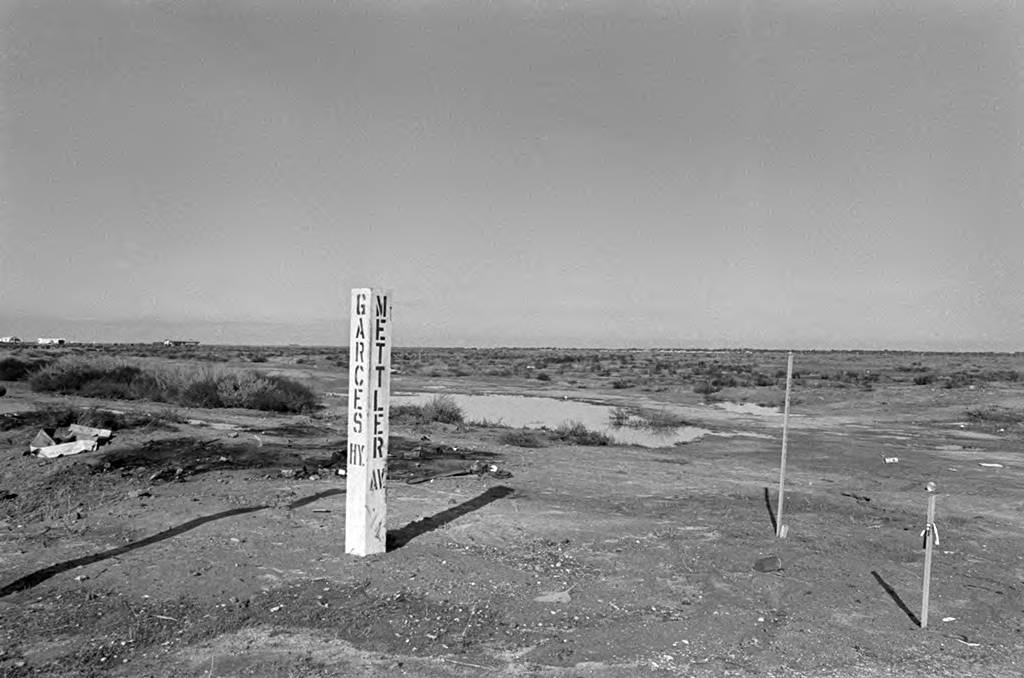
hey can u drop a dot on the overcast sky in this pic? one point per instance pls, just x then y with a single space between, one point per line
579 172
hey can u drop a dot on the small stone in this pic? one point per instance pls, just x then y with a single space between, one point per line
768 564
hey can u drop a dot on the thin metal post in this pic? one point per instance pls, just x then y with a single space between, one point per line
930 538
780 532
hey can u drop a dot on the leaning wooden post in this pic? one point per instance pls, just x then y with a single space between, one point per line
931 537
779 527
369 389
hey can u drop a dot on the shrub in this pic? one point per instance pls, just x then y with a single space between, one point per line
406 414
707 387
256 391
444 409
619 417
521 438
575 433
104 378
201 393
14 369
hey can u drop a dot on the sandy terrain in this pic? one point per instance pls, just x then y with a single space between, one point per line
217 549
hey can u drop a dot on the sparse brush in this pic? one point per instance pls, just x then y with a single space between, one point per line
521 438
17 369
996 415
405 414
444 409
575 433
619 417
102 377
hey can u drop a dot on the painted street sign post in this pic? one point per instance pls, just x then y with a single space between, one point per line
369 390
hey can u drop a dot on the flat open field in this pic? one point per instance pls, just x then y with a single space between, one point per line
210 541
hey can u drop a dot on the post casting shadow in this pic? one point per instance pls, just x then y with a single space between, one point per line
771 511
398 538
896 598
39 576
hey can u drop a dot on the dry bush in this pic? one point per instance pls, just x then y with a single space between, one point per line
104 377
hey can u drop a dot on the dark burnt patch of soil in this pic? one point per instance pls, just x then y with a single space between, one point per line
90 631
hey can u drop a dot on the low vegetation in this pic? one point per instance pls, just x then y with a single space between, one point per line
188 386
56 416
996 415
19 369
522 437
575 433
440 408
650 419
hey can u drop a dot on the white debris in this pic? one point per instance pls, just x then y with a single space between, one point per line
67 449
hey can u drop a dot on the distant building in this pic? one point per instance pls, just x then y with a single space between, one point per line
9 340
179 342
51 341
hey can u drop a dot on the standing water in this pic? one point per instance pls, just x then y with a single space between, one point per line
536 412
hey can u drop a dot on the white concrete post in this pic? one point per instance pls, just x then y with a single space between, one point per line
369 390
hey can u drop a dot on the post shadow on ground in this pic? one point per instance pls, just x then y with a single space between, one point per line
39 576
896 598
771 511
398 538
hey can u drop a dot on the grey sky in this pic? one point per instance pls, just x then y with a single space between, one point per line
778 174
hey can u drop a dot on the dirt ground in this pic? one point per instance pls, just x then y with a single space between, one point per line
216 548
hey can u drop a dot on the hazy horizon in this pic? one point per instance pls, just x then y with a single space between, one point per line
844 175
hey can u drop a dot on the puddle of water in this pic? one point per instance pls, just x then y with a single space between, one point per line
536 412
749 408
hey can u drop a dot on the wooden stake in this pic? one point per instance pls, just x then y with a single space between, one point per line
780 532
930 535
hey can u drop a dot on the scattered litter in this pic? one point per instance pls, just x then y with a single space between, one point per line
163 616
963 639
341 472
65 441
892 460
334 394
84 432
300 473
42 439
989 464
168 474
276 608
138 494
66 449
321 510
768 564
948 619
477 468
555 596
861 499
